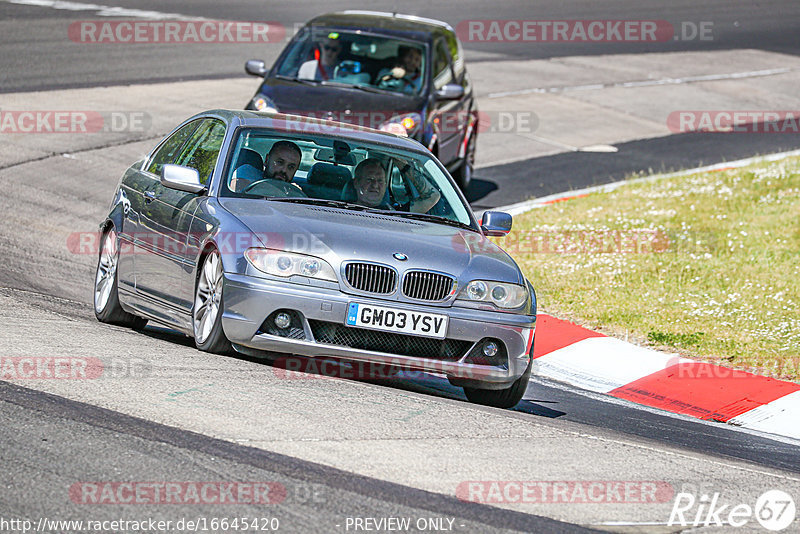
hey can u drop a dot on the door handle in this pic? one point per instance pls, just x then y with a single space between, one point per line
149 196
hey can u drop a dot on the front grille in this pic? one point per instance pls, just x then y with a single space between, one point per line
371 278
403 345
424 285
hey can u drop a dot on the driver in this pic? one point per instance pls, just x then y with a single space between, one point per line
281 163
370 183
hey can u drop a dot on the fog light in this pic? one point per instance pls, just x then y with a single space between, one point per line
489 349
282 320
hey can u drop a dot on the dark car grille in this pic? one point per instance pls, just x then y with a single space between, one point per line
371 278
400 344
424 285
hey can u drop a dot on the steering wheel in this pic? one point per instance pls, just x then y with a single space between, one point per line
389 81
274 188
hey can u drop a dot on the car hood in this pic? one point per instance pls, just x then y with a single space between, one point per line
340 235
343 104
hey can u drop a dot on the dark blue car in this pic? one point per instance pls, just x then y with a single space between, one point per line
392 72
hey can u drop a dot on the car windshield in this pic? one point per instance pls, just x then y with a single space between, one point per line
320 169
360 60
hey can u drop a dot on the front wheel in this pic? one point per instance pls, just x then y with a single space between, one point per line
502 398
207 310
463 175
107 308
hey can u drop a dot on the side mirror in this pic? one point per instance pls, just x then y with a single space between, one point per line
495 223
451 91
255 67
181 178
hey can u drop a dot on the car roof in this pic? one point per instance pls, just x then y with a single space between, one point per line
409 26
299 124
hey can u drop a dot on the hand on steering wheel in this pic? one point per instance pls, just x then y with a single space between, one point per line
274 188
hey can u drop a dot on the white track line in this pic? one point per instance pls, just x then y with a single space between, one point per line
645 83
528 205
104 11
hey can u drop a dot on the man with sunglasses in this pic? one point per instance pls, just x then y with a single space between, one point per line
323 69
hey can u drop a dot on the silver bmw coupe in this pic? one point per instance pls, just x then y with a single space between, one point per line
259 232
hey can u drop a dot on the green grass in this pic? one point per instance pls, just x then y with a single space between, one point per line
706 265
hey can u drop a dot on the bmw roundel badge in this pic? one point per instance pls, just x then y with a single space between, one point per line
399 256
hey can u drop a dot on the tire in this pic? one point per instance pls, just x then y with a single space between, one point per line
207 309
107 308
463 175
502 398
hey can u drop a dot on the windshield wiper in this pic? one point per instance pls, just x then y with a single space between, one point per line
367 88
358 207
304 81
431 218
324 202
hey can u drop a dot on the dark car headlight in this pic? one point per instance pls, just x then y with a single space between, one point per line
500 294
403 124
285 264
263 103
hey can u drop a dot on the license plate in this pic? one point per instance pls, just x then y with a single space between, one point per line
399 321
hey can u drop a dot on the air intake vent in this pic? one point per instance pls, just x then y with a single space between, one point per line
371 278
424 285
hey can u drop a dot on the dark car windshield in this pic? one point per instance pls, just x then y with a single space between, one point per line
341 173
330 56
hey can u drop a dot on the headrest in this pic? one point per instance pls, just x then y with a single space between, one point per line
248 156
328 175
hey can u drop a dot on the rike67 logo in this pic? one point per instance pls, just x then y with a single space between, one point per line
774 510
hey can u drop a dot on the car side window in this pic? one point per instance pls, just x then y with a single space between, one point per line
169 149
442 73
202 149
457 53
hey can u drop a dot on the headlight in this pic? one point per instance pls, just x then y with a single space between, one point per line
500 294
402 125
285 264
264 103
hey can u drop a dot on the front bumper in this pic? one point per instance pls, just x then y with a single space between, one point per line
249 301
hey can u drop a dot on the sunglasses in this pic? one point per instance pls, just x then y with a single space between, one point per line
328 48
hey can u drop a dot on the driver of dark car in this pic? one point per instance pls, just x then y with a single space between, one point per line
324 67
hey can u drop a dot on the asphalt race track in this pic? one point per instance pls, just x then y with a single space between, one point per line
336 451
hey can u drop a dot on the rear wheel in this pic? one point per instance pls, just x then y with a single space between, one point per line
501 398
207 309
107 308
